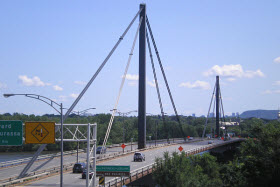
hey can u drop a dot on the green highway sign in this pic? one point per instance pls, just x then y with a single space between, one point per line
11 133
113 171
113 168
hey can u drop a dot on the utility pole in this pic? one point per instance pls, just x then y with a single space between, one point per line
142 80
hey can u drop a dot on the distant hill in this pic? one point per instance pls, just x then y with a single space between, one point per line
265 114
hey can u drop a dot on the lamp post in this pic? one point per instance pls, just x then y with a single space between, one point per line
51 103
80 113
123 114
156 124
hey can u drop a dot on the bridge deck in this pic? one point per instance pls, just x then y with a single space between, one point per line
71 179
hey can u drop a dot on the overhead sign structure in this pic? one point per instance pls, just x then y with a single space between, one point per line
40 132
113 171
11 133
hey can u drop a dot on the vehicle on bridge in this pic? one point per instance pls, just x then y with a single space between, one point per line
139 157
84 174
98 150
79 167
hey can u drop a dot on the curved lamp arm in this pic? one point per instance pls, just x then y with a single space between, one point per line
44 99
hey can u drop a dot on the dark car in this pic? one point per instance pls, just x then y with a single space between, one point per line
98 150
79 167
139 157
84 174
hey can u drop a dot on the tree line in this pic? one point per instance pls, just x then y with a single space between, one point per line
257 163
156 128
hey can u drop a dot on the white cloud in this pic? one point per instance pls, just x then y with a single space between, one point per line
80 82
3 85
232 72
57 88
132 77
152 83
277 60
196 85
73 95
35 81
277 83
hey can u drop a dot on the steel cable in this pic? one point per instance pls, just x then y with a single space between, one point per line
100 67
165 79
120 90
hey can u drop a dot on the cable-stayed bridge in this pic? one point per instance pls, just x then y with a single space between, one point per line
146 39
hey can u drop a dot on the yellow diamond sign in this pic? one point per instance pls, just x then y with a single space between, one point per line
39 132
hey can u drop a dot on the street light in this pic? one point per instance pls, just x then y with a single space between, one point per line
156 124
123 114
82 112
50 103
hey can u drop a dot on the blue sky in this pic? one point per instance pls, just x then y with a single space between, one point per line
52 48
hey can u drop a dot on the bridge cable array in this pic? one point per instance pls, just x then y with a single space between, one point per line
100 67
156 81
120 90
164 76
221 111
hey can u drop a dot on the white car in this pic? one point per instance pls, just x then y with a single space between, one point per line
139 157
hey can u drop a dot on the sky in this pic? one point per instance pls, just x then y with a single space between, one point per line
53 48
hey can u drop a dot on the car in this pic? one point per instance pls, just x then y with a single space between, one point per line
210 142
139 157
98 150
79 167
84 174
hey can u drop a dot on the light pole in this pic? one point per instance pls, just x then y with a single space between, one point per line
123 114
80 113
51 103
156 124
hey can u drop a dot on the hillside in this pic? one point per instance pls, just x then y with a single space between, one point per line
265 114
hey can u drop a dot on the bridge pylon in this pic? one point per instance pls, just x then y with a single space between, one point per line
142 80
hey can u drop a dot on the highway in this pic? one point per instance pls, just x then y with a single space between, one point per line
75 180
14 171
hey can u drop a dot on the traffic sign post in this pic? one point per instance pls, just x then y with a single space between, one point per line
123 146
180 148
11 133
102 181
39 132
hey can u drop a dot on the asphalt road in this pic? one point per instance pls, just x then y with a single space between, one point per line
75 180
14 171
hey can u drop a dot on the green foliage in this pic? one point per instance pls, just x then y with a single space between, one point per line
258 163
180 170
